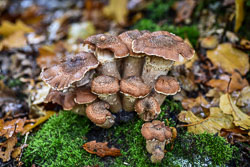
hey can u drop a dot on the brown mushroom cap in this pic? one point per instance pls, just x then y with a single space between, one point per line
163 44
167 85
105 85
148 107
61 76
156 130
65 99
98 111
84 96
110 42
135 87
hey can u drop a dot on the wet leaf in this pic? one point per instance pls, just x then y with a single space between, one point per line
117 10
228 107
101 149
9 128
212 124
8 147
239 14
229 58
7 28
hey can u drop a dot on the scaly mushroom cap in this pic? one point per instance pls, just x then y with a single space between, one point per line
110 42
105 85
61 76
147 108
163 44
128 37
65 99
156 130
84 96
134 87
98 111
167 85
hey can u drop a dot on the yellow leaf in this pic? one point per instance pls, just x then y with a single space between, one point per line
229 58
15 40
212 124
239 14
40 120
228 107
7 28
117 10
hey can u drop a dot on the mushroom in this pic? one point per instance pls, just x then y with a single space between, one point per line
62 76
164 86
106 87
156 135
147 108
132 65
108 47
99 114
162 48
132 88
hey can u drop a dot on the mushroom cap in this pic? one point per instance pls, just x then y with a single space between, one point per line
84 96
65 99
148 108
104 84
156 130
73 69
163 44
167 85
128 37
98 111
110 42
134 87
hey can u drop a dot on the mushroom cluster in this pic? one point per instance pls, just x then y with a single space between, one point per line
126 72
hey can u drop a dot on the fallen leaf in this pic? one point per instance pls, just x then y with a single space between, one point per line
40 120
7 147
233 135
189 103
101 149
209 42
229 58
212 124
9 128
228 107
7 28
16 40
184 9
117 10
245 43
244 99
239 14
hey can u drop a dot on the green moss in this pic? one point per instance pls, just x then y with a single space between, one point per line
59 143
14 82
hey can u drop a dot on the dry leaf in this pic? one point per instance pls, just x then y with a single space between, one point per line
189 103
101 149
7 28
244 99
233 135
229 58
228 107
245 43
40 120
239 14
209 42
8 128
184 10
7 147
212 124
16 40
117 10
47 56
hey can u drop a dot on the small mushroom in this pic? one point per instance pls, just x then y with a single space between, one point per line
165 86
106 87
133 88
99 114
132 65
162 48
62 76
156 135
147 108
108 47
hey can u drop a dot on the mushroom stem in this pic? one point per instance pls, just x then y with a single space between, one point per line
153 68
113 100
128 103
159 97
80 109
108 63
132 66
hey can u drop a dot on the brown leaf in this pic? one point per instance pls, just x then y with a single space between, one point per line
184 9
8 128
243 100
229 58
233 135
189 103
8 147
101 149
245 43
16 40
